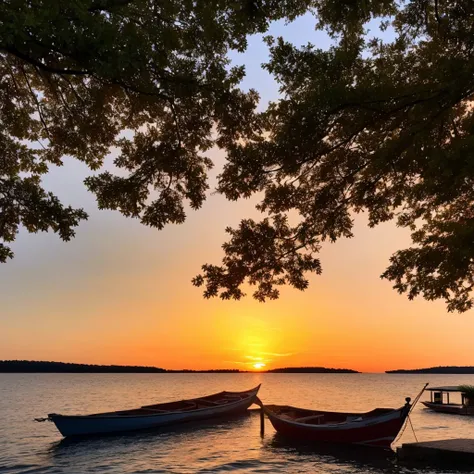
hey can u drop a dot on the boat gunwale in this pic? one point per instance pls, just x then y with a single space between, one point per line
344 425
96 416
429 404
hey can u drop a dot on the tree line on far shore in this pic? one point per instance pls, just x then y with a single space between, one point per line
18 366
24 366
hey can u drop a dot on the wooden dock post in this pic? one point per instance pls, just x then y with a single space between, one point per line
262 416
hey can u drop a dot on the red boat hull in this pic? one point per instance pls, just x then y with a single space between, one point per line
378 431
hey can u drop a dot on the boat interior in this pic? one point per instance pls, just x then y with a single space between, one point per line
314 417
217 399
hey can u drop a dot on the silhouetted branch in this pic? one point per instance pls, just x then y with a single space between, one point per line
40 65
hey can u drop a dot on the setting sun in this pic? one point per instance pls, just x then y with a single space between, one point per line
258 365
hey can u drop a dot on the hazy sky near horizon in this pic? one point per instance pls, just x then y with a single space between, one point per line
121 292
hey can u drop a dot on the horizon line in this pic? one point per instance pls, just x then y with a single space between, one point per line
25 362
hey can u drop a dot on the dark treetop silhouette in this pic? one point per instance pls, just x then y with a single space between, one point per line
385 128
450 369
76 75
311 370
14 366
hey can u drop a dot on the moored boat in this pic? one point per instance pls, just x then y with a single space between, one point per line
152 416
441 403
377 428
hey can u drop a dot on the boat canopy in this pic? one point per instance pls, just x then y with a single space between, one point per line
452 388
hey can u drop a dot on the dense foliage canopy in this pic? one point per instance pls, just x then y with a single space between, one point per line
381 127
384 127
151 78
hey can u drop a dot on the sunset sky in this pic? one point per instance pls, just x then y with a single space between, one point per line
121 293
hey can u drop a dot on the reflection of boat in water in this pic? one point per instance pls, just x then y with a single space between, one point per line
158 439
350 457
220 404
378 427
440 402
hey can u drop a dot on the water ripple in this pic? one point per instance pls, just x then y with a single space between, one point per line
216 446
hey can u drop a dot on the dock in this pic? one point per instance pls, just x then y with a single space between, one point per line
452 451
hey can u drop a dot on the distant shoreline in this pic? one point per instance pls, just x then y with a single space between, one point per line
451 369
31 366
310 370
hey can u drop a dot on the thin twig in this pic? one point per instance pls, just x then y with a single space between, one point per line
438 19
40 112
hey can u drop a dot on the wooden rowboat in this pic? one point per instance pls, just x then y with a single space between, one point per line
152 416
378 428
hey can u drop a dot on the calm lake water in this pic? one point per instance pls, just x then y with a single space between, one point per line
233 446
